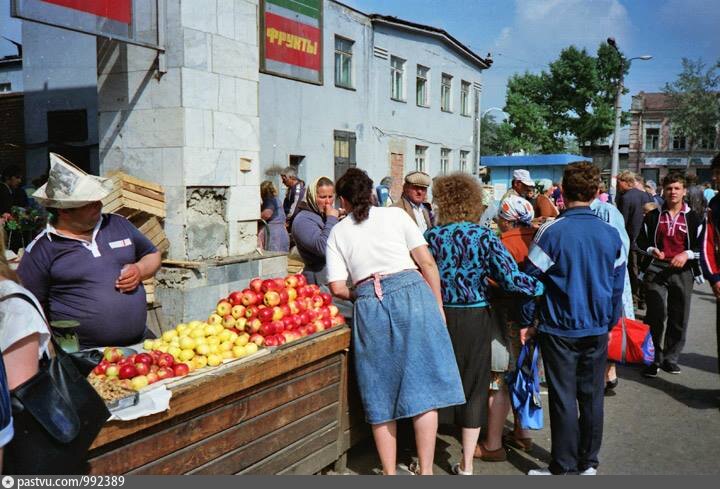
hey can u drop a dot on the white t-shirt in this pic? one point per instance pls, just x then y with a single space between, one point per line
380 244
18 319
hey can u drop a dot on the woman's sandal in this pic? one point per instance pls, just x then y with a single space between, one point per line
524 444
458 471
414 468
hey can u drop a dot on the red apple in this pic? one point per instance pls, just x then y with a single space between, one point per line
302 281
181 369
291 281
312 327
288 336
166 360
270 340
269 284
324 312
249 297
277 327
304 317
228 321
327 322
288 323
127 372
278 313
341 319
154 369
271 298
101 368
256 284
144 358
293 306
304 291
302 331
112 355
337 321
251 312
259 340
267 329
142 368
253 326
238 311
155 354
284 297
165 373
319 325
327 298
286 310
265 315
152 377
280 339
223 308
317 302
333 310
235 298
125 361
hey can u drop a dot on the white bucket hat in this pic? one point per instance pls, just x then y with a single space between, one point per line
68 187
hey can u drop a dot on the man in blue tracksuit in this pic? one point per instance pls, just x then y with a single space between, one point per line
580 259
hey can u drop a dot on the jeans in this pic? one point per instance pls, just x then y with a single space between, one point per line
575 371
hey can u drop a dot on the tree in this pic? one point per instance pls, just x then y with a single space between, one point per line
574 100
696 101
497 138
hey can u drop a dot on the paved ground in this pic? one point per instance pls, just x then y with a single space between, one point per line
667 425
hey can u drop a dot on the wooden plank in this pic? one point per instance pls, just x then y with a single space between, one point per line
309 446
236 438
253 452
185 400
139 202
313 463
310 388
163 246
145 192
193 265
118 176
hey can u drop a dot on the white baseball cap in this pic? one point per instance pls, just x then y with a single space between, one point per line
524 177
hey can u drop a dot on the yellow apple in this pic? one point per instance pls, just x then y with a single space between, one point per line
233 337
139 382
251 348
203 349
195 323
200 361
226 346
212 340
239 351
214 359
148 344
224 335
186 355
169 335
187 343
214 348
227 355
242 339
215 319
197 333
162 348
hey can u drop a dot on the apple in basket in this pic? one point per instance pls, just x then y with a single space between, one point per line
127 372
259 340
112 355
238 311
235 298
265 314
223 308
256 284
249 297
165 373
291 281
181 369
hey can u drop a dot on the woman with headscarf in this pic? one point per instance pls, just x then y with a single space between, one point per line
272 212
514 220
311 227
544 206
468 255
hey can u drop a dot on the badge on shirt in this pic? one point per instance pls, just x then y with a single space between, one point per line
120 244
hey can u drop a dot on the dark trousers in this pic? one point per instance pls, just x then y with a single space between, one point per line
668 296
575 372
636 285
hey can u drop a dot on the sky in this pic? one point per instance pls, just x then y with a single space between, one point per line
525 35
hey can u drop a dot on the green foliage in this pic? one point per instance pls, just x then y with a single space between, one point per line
574 99
696 101
497 138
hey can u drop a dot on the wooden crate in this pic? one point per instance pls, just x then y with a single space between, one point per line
152 228
132 196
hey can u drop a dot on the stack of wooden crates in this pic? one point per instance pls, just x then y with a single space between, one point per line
143 204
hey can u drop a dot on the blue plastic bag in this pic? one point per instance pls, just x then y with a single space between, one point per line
525 390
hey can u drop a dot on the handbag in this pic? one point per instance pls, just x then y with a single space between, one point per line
57 414
630 341
525 389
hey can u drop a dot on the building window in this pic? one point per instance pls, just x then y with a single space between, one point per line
445 161
397 72
463 160
652 138
445 93
422 85
5 87
420 158
708 142
678 142
465 98
344 151
343 62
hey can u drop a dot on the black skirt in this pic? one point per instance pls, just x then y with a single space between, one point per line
470 331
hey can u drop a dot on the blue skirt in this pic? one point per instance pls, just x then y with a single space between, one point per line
404 360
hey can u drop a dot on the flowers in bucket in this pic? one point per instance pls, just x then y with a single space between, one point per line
23 223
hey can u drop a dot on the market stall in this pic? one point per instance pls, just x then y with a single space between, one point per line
287 412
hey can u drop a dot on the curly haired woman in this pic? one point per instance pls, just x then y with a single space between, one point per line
402 352
468 255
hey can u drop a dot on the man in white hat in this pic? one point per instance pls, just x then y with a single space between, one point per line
522 185
413 199
88 266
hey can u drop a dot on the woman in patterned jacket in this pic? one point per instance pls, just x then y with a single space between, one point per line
467 254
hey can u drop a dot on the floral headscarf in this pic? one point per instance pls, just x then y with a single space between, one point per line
516 209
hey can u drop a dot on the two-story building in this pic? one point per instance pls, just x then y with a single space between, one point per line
394 96
656 148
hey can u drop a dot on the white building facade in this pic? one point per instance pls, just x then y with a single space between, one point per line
395 97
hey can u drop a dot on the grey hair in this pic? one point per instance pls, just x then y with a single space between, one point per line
387 181
289 171
651 184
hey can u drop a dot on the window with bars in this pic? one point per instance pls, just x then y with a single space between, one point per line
422 86
420 158
464 98
445 93
343 62
397 74
464 160
445 161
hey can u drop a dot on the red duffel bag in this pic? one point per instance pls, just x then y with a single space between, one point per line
630 342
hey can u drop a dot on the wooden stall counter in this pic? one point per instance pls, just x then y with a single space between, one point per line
284 413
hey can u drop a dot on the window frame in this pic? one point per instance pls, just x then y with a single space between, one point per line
426 86
655 137
421 157
446 92
445 160
465 98
342 55
393 72
463 159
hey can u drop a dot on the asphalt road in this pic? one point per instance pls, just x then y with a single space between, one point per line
669 425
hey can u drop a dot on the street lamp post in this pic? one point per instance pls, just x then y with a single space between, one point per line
479 146
615 166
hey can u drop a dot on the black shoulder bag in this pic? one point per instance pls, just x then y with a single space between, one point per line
57 414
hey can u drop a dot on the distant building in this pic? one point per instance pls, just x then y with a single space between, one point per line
655 149
12 138
11 78
395 96
601 152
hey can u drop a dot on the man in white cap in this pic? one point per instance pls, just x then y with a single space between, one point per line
88 266
522 185
413 199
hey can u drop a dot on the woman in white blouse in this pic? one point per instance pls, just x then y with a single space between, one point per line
403 357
